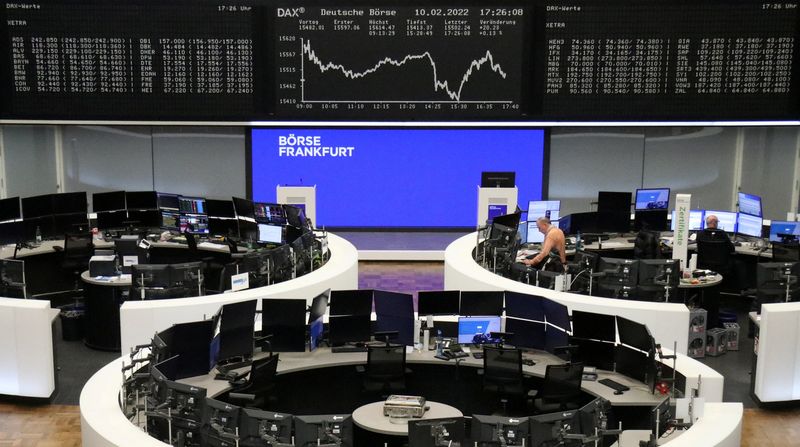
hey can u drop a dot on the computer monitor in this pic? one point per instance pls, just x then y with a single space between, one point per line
635 335
285 321
315 331
220 208
149 275
223 227
438 302
654 220
259 427
194 223
696 220
523 305
319 305
659 272
186 400
295 216
351 302
141 200
108 201
544 208
556 314
248 230
186 274
522 231
750 204
593 326
555 337
168 201
395 312
500 430
190 341
191 205
652 199
614 211
221 420
660 416
777 281
349 329
618 272
597 353
70 203
331 429
244 208
781 230
37 206
527 334
476 330
270 234
749 225
727 220
12 232
532 233
236 324
70 223
144 218
271 213
498 179
10 209
170 220
488 302
111 220
549 429
633 363
436 432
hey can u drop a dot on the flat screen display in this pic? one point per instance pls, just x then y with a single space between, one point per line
727 220
473 329
778 227
395 177
749 225
750 204
696 220
270 234
10 209
652 199
544 208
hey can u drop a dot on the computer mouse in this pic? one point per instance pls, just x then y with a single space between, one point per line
530 256
618 392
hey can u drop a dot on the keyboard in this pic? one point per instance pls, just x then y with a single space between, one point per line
616 386
338 349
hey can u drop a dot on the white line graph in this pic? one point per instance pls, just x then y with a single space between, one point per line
455 95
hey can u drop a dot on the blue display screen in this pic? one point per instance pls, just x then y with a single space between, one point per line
749 225
469 327
750 204
395 177
652 199
778 227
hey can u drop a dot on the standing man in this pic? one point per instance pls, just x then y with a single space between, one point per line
554 253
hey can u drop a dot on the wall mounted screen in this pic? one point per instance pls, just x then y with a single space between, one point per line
395 177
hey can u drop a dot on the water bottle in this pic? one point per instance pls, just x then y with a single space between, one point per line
439 342
578 242
38 236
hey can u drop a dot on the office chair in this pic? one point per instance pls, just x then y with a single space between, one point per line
646 245
78 248
502 373
561 389
386 369
714 255
257 388
785 252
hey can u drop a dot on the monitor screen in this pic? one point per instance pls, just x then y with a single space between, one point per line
476 329
779 227
108 201
527 334
319 305
70 203
194 223
170 220
498 179
481 303
168 201
533 235
192 205
632 363
750 204
244 208
10 209
349 329
521 305
488 430
351 302
285 321
37 206
614 202
635 335
556 314
597 353
438 302
141 200
727 220
220 208
749 225
270 234
544 208
269 213
696 220
593 326
652 199
386 175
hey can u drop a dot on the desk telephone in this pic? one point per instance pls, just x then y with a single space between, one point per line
454 352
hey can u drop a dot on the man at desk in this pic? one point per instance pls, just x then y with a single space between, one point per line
554 252
712 233
717 260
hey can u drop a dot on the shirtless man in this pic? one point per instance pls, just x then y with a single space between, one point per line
554 243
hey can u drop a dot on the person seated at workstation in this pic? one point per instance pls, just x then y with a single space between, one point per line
714 249
553 256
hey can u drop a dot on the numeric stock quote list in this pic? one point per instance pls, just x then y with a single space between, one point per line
388 60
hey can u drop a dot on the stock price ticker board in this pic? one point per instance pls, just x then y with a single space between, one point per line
272 60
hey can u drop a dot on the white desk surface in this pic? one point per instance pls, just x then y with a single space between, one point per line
713 281
638 395
370 417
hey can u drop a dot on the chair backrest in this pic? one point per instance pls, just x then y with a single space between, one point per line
713 255
386 361
785 252
561 382
646 245
502 366
78 246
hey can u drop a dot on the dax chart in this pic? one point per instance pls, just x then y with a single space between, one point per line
403 62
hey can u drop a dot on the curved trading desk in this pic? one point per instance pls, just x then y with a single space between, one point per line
139 320
103 424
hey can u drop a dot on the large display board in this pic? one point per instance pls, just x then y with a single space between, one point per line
466 60
395 177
